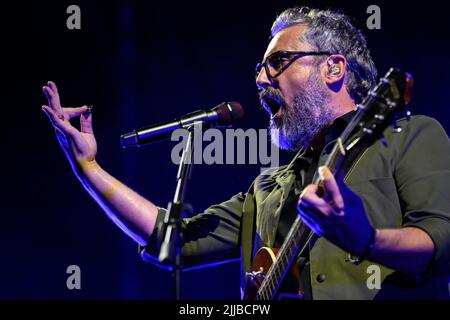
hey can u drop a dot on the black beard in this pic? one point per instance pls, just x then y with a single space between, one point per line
301 122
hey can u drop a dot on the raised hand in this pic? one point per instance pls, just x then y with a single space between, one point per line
134 214
80 145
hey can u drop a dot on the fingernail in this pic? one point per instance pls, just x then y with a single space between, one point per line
339 212
322 173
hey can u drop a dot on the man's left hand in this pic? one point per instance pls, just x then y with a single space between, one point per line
336 213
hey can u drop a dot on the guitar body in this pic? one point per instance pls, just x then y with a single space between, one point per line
263 260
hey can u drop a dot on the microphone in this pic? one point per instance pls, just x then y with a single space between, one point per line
221 115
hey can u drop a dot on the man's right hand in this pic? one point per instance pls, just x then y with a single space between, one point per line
79 146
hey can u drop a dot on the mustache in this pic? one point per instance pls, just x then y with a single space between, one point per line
269 93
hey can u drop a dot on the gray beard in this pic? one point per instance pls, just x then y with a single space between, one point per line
301 122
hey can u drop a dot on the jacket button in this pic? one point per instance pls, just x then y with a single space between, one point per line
321 277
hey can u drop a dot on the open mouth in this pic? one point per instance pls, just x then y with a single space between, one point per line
271 105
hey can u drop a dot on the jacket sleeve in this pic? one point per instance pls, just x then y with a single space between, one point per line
209 237
422 174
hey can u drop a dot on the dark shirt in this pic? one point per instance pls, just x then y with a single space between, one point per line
402 184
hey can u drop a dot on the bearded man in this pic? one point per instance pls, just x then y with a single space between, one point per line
388 213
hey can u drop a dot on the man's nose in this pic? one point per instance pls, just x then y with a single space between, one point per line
262 79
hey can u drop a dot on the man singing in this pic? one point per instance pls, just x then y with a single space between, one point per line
389 212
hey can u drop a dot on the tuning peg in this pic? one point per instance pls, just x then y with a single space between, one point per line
392 104
368 131
397 128
408 115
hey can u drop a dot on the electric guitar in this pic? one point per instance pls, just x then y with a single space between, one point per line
384 104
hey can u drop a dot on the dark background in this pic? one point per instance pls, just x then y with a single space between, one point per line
141 63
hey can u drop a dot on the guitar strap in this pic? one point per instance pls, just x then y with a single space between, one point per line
353 156
248 230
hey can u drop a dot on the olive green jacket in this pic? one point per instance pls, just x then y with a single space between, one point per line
403 183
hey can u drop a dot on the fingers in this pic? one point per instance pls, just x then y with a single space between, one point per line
312 202
310 194
86 122
75 112
332 190
51 92
326 200
53 86
85 117
58 121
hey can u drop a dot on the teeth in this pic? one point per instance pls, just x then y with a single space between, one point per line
274 115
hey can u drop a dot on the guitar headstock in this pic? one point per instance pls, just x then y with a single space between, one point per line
384 104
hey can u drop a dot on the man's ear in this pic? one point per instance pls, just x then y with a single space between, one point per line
334 69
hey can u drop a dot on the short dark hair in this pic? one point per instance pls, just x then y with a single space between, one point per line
332 31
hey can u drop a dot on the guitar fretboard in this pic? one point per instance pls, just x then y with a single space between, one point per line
297 235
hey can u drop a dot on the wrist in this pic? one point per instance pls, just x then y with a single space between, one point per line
368 249
370 245
86 167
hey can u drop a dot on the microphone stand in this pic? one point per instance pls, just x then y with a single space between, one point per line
170 232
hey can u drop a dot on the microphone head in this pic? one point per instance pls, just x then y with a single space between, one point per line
229 112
